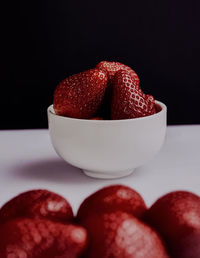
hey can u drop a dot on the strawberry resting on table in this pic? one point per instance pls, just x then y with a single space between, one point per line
113 222
111 90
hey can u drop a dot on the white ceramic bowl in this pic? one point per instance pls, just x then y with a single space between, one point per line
107 148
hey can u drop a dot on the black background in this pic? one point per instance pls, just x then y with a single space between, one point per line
46 41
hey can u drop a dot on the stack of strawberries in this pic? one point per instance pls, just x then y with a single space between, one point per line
109 91
114 222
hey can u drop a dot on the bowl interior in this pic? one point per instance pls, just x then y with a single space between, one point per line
160 107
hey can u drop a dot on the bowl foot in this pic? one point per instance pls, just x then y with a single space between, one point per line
107 175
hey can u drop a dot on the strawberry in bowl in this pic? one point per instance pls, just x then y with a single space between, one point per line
103 123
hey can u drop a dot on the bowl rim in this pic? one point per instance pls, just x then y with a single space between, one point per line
50 110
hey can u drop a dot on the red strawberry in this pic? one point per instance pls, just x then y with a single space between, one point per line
158 108
128 101
111 199
41 238
120 235
37 204
96 118
80 95
112 67
176 216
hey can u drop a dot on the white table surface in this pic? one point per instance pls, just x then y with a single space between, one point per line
28 161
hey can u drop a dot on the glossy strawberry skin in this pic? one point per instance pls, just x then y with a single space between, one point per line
112 67
110 199
128 101
120 235
176 216
80 95
41 238
37 204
